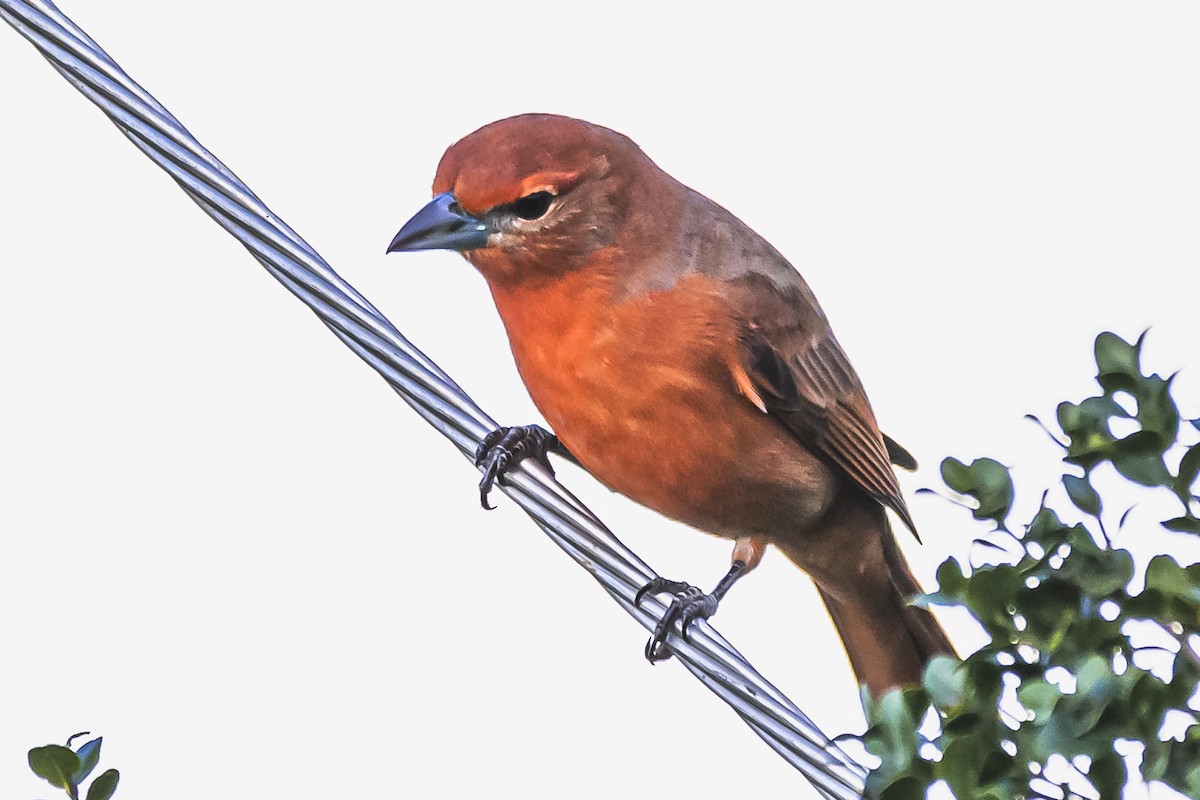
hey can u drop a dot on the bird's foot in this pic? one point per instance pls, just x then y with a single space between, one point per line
504 448
688 605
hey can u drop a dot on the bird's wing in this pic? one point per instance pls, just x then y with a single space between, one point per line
801 376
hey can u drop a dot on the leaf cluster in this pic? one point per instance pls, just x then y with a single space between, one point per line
1037 711
68 769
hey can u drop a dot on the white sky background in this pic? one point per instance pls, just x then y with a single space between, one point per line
230 549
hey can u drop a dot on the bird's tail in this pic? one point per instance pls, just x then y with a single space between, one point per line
887 640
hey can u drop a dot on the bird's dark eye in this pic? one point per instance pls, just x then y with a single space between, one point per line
532 206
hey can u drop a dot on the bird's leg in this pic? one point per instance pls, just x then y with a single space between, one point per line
504 448
690 603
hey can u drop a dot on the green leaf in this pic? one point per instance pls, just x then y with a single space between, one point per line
1148 698
944 681
1082 494
1155 759
1139 457
1117 359
89 756
1107 774
917 700
985 677
1086 425
1157 411
1189 468
1183 524
961 763
951 583
1183 762
907 787
103 787
1050 610
992 594
1076 726
55 764
1098 571
1148 604
1000 792
1093 675
995 764
897 743
987 481
1044 524
962 724
1040 697
1164 575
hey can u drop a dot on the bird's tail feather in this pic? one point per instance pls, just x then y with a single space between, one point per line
887 640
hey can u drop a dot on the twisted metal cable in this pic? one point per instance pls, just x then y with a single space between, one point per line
424 386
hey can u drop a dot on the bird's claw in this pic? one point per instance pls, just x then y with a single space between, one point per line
688 605
660 585
504 448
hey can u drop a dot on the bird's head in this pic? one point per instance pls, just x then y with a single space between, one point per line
534 196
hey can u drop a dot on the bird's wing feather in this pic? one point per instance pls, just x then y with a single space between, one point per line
791 365
805 381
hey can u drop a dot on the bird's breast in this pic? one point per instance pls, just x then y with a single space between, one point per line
641 390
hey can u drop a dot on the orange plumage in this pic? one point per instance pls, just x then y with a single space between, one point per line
685 364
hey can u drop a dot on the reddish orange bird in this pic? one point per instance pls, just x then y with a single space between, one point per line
682 361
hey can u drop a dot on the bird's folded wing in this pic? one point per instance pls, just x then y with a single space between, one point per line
804 379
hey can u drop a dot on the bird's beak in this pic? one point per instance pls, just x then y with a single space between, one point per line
441 225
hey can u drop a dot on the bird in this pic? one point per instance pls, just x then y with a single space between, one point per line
682 361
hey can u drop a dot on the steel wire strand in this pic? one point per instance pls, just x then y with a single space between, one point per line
423 385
